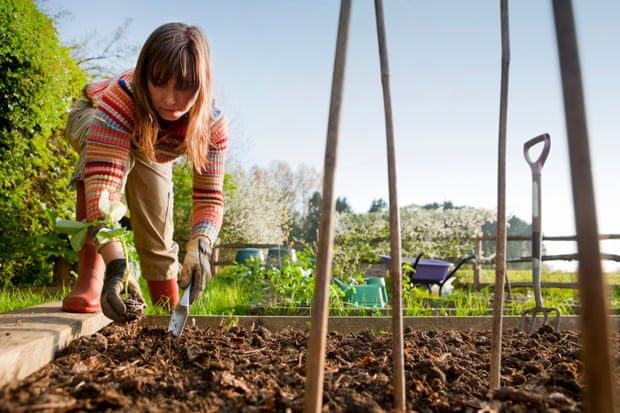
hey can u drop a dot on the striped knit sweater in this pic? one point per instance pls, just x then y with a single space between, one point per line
109 142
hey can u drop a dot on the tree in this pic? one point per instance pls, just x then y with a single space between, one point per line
112 54
293 189
342 206
38 80
516 227
308 229
99 55
253 211
436 232
266 205
445 205
377 205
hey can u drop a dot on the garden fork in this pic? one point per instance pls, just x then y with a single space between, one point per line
536 167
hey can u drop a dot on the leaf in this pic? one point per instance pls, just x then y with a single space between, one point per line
69 227
51 216
79 238
104 202
104 235
117 211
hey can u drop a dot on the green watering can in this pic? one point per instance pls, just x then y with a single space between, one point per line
370 294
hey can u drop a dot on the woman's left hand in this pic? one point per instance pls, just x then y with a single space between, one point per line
196 267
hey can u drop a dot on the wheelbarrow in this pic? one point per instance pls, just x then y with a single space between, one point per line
536 167
429 272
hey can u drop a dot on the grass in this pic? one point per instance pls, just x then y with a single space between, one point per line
234 296
221 297
16 298
488 276
478 303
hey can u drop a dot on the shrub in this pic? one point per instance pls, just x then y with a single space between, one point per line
38 80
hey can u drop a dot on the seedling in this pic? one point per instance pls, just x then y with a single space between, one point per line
110 230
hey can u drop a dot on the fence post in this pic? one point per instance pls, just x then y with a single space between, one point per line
477 262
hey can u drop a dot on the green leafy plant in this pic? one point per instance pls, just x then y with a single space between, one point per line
112 230
77 231
54 243
292 284
250 278
109 229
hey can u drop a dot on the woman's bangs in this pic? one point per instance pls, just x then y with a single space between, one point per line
182 68
161 71
187 75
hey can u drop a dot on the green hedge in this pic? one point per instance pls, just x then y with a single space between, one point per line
38 81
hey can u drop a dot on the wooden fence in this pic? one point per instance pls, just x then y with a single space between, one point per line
481 260
224 254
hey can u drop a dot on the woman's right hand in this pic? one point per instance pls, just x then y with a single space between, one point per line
112 303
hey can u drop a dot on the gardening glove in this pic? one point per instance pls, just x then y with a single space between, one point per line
112 304
196 267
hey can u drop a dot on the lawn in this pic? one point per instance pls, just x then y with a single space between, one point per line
238 289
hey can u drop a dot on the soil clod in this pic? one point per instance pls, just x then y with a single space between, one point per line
134 309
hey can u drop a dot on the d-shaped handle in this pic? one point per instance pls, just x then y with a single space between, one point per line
538 163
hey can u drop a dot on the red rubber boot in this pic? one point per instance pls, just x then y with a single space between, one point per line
164 293
86 292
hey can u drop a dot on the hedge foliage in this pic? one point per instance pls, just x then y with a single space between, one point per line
38 81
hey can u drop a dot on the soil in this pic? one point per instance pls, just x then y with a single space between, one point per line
134 308
135 368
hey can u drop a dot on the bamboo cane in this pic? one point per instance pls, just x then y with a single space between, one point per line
500 263
598 361
315 365
398 358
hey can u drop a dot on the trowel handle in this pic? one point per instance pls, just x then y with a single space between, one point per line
186 293
538 163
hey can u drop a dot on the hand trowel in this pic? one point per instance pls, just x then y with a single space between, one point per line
180 313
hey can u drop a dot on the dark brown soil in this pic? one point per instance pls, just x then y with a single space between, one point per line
146 369
134 307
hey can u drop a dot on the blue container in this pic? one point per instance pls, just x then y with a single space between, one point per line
243 255
275 256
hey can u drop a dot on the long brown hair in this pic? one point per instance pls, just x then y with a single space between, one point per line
181 52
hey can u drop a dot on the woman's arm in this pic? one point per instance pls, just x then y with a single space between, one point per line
208 186
107 146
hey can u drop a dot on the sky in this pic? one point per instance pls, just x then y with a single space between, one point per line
272 63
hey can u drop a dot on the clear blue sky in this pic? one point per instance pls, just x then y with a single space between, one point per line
273 63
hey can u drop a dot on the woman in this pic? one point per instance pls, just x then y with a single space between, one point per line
128 130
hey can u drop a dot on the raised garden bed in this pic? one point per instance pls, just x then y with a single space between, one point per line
248 367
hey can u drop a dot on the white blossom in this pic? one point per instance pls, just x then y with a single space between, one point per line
115 210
